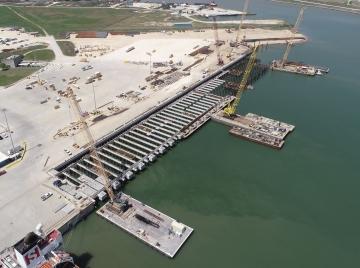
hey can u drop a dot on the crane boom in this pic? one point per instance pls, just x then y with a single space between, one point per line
92 149
217 42
245 9
231 109
235 43
294 30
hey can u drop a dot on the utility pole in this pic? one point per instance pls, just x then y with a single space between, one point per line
8 130
93 88
149 54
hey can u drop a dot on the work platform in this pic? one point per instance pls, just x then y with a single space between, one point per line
154 228
298 68
256 128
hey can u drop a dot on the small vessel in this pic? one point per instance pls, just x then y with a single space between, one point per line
37 250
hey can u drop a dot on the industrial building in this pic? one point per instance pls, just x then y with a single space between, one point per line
13 61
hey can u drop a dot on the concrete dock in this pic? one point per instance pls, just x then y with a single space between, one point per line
134 149
154 228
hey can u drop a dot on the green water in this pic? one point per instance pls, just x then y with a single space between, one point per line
252 206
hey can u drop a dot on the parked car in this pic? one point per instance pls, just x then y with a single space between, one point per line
46 196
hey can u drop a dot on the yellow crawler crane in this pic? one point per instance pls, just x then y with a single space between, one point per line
230 110
91 143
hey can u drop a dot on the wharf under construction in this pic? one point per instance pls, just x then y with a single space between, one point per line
106 165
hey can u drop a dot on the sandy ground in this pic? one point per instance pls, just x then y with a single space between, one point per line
36 124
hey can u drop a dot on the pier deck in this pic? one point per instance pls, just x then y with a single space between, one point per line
154 228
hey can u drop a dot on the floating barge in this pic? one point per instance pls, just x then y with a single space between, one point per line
257 137
154 228
298 68
256 128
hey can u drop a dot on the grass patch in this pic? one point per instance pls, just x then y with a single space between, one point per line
67 48
21 51
57 20
41 55
10 19
15 74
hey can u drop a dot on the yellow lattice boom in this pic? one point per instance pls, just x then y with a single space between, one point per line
231 109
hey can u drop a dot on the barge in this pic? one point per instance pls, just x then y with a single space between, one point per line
153 227
256 128
298 68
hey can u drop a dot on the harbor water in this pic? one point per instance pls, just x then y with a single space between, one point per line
252 206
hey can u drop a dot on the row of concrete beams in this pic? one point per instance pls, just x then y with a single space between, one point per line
178 114
121 154
160 124
189 109
198 106
119 147
176 118
153 131
125 139
175 109
168 125
131 149
115 161
146 138
131 137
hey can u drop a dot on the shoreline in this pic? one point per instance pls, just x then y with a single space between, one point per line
320 5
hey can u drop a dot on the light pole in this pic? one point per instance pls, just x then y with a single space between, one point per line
149 54
93 87
8 129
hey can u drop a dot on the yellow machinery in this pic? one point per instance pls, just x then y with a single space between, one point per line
231 109
92 147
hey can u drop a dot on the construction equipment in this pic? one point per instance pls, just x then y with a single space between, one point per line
230 110
294 30
92 147
245 9
218 43
236 43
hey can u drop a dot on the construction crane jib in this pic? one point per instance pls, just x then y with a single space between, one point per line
218 43
294 30
231 109
243 15
91 143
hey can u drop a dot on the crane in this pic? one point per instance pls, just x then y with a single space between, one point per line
218 43
230 110
236 42
91 143
294 30
245 9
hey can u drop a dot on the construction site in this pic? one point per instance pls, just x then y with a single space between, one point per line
86 125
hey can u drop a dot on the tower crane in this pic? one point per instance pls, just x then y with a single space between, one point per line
230 110
217 42
91 143
294 30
